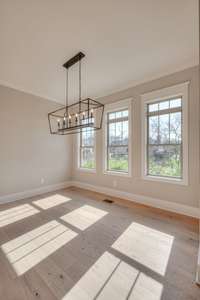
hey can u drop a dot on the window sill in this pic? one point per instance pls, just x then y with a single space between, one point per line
87 170
165 180
115 173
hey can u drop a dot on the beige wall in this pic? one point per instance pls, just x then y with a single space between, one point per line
28 152
165 191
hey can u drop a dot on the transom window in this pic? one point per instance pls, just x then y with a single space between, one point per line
117 141
164 138
87 149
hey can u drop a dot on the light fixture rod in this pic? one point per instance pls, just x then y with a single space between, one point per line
67 89
86 113
79 80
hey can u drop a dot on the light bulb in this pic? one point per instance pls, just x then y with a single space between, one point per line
69 117
58 120
91 112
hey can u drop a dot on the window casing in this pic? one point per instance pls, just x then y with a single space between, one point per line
117 158
87 149
165 146
117 141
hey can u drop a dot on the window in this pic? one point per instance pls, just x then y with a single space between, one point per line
117 143
166 146
117 158
87 149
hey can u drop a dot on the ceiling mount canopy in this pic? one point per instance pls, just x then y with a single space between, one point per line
73 118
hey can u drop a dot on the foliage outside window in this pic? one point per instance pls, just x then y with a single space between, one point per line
164 138
87 140
117 141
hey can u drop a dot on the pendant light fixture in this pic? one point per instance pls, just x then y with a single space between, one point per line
73 118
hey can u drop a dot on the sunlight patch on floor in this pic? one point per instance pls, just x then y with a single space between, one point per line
17 213
84 216
146 288
31 248
147 246
112 278
51 201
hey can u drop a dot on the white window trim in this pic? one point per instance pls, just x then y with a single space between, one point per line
122 104
159 95
78 164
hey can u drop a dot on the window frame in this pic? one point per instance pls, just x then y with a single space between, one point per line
179 90
79 167
114 107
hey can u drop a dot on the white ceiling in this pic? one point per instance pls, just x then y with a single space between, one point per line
125 42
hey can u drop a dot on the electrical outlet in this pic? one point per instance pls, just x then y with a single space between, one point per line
114 183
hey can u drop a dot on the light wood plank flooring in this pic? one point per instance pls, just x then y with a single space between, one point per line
70 244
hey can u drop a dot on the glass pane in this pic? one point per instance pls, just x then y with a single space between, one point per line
125 133
175 103
164 129
118 159
125 113
111 116
118 114
153 107
118 133
153 130
163 105
87 137
175 128
164 161
111 134
87 158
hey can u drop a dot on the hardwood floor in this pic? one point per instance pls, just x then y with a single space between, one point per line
72 245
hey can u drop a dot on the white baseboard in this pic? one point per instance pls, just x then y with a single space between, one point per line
162 204
34 192
166 205
198 269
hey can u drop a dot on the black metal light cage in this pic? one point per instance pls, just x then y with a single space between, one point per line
74 118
